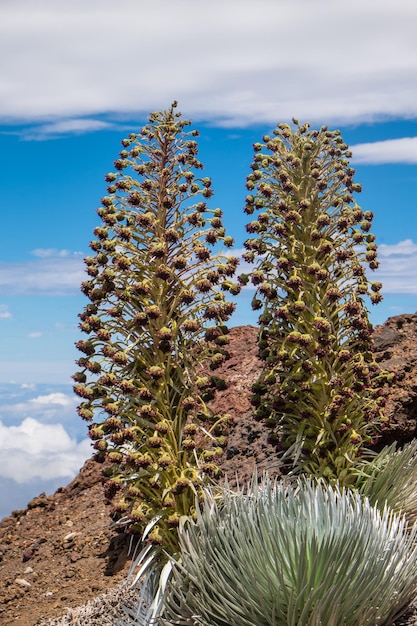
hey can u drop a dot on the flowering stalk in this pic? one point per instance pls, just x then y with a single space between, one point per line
156 317
320 390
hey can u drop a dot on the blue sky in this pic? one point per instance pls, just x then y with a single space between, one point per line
75 78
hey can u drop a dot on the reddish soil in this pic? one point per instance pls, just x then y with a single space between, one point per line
63 549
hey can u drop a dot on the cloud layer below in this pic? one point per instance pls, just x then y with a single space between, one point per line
233 63
36 450
43 443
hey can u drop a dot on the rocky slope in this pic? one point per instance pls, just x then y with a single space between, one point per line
63 550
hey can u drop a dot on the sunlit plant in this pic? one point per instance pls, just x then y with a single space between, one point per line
390 478
320 391
155 327
295 554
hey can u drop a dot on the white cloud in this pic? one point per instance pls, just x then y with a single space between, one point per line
406 248
402 150
4 312
396 272
45 253
47 408
57 129
36 334
234 62
56 398
49 275
43 443
397 268
36 450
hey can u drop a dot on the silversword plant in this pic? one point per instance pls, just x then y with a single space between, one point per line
295 553
320 391
155 329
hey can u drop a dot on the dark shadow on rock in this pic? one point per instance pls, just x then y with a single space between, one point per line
119 552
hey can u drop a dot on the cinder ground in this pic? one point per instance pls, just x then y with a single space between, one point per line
63 550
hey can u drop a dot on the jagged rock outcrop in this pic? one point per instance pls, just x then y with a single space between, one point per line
396 351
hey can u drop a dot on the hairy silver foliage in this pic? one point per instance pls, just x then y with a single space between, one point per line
297 554
391 478
148 578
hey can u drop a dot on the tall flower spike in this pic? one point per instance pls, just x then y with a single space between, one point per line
310 286
154 282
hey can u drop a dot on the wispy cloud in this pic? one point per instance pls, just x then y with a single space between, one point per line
396 272
402 150
4 312
56 399
406 248
65 127
238 62
45 253
397 267
50 407
53 273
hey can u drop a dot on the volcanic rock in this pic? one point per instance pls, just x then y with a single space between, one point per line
74 549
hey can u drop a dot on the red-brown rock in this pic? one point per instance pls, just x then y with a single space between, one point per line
68 540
